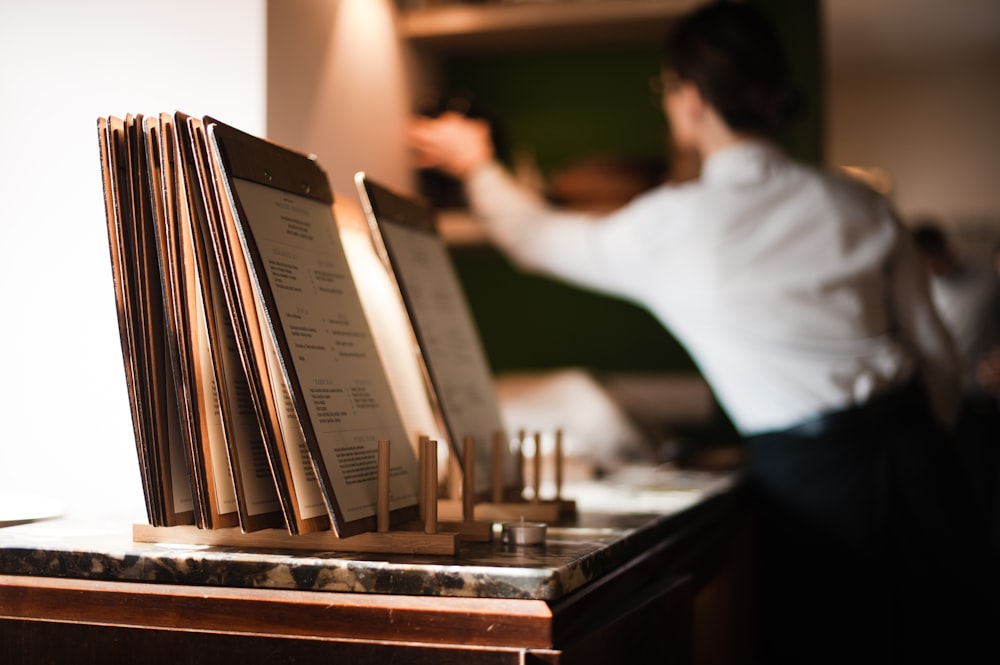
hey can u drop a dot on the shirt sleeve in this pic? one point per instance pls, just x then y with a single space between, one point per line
588 250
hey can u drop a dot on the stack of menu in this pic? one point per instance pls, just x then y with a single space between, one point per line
258 396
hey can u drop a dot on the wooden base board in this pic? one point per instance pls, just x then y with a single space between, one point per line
542 511
472 532
391 542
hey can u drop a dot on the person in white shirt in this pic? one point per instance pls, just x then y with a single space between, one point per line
967 296
803 301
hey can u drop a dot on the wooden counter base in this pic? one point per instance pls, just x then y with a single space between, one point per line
683 600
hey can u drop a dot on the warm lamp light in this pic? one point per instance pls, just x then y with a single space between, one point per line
875 177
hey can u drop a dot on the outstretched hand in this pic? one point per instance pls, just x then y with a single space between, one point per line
451 143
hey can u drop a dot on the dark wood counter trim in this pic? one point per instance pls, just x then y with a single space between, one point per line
478 621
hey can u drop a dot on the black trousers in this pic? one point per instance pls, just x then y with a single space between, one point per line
869 552
978 436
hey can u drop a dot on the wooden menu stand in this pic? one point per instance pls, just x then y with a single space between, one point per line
503 508
393 542
414 538
507 511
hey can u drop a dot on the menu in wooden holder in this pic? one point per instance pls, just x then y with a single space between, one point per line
411 538
487 479
142 325
254 379
446 341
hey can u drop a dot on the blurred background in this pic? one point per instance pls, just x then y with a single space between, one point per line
902 91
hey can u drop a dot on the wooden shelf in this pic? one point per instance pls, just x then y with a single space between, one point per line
550 24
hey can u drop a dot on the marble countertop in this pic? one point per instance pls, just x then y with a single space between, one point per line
616 520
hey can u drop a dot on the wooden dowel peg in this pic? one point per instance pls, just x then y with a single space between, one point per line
454 476
422 475
382 481
519 454
497 468
468 478
537 475
430 486
559 464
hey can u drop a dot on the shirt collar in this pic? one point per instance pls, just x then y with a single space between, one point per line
744 162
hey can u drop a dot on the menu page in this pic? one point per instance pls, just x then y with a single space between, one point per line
256 490
449 341
208 400
333 361
246 439
195 359
305 484
180 477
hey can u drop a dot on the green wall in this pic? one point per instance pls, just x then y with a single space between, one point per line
566 105
562 106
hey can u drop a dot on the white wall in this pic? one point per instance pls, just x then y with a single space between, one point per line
935 128
66 427
912 87
338 87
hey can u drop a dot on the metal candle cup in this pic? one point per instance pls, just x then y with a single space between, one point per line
523 533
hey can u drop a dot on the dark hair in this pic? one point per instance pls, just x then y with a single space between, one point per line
930 238
730 52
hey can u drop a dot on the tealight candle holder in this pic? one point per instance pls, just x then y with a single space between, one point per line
523 533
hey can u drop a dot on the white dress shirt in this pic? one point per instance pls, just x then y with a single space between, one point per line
795 292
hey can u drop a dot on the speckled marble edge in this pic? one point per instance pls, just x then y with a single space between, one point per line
571 557
481 570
